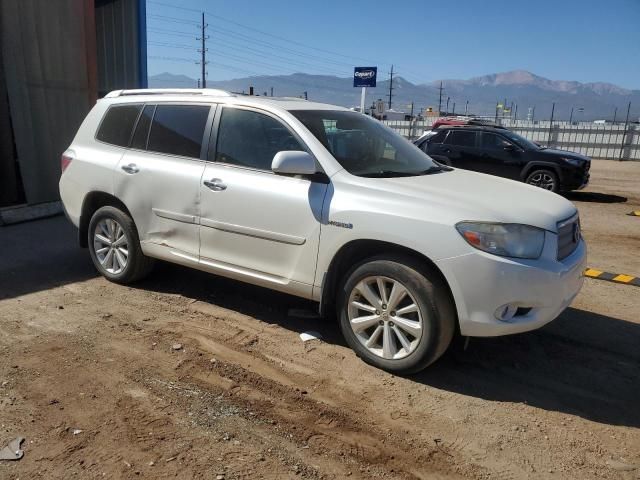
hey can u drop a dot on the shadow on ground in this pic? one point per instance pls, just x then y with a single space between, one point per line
41 255
595 197
582 364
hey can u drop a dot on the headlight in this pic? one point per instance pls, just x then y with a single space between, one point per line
504 239
576 162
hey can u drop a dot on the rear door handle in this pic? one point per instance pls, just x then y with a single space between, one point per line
131 168
215 184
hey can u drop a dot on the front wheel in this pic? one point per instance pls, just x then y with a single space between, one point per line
115 248
395 316
544 179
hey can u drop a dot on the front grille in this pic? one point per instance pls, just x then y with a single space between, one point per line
568 236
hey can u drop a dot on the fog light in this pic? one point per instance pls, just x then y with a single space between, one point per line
506 312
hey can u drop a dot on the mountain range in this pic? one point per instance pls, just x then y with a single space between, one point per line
589 101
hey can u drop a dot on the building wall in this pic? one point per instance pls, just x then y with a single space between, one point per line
51 83
57 57
121 44
9 191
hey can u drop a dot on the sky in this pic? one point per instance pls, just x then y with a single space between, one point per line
583 40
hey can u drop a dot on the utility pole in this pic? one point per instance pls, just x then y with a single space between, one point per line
203 51
454 109
553 108
390 86
447 113
624 133
440 100
571 116
466 107
272 91
515 114
615 114
411 123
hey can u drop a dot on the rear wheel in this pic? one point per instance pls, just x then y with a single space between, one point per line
395 316
115 248
544 179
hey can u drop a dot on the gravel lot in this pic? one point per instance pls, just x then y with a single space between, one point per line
192 376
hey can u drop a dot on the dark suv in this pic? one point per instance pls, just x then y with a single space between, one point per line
501 152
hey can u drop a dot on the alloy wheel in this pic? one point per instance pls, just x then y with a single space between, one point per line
385 317
111 246
542 180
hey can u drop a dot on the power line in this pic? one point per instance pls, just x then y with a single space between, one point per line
247 39
250 52
277 37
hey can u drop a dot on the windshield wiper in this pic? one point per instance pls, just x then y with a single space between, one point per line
435 169
386 173
393 173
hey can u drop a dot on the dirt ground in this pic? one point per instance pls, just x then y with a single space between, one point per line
90 377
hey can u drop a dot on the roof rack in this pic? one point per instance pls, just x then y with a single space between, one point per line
205 92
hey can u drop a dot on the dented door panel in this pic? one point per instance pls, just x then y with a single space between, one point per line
163 197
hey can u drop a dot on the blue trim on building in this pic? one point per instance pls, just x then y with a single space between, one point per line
142 42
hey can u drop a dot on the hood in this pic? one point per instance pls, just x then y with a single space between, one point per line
564 153
459 195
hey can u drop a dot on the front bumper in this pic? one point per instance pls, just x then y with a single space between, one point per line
481 283
575 178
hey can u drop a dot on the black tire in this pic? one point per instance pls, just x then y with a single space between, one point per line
544 178
137 264
431 296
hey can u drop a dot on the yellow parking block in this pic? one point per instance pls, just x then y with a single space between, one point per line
622 278
591 272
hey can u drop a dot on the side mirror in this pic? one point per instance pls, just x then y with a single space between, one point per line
294 162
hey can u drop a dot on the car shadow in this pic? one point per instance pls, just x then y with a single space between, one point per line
595 197
582 364
40 255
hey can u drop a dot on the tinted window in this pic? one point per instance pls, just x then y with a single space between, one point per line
491 141
117 124
142 129
178 129
438 137
251 139
463 138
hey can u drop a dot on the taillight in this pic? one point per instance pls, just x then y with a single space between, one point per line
65 161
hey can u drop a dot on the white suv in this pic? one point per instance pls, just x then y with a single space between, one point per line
324 203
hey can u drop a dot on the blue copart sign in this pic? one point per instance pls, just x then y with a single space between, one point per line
365 76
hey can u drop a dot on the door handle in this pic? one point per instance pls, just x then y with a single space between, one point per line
215 184
131 168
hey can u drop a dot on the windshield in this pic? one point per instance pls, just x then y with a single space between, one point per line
364 146
523 142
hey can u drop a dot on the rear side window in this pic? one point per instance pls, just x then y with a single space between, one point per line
462 138
142 129
178 129
117 124
491 141
251 139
